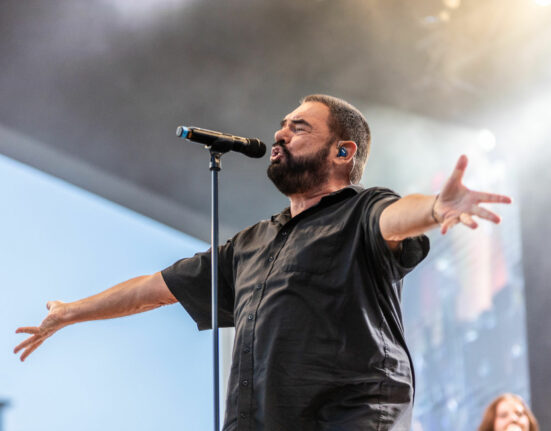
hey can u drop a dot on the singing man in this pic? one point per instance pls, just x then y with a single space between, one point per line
314 291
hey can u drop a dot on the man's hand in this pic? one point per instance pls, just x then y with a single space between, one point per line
51 324
457 204
129 297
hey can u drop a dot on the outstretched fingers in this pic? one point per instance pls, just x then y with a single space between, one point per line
26 343
459 170
31 349
448 224
468 221
485 214
30 344
39 333
27 330
492 198
458 204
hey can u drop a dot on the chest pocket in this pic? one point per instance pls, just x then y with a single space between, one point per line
313 249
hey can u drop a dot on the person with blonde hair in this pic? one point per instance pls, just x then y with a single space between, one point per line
508 412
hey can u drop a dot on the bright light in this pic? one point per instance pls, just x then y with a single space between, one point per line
471 336
516 350
444 16
136 11
442 264
543 2
452 404
452 4
487 140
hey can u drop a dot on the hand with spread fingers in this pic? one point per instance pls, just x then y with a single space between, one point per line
457 204
51 324
132 296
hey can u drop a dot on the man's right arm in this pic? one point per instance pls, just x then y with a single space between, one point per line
130 297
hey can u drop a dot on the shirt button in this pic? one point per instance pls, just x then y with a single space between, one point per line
243 415
284 233
259 286
271 259
244 382
246 349
250 317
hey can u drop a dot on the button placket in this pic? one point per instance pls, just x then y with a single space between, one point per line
245 375
246 369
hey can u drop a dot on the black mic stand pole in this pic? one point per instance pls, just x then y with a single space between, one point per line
217 148
215 166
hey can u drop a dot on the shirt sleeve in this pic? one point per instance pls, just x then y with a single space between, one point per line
189 280
392 264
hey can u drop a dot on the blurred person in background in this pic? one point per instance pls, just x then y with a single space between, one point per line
508 412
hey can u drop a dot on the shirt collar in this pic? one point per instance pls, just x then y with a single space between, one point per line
348 191
351 190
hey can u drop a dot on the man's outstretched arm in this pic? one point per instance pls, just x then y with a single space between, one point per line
415 214
130 297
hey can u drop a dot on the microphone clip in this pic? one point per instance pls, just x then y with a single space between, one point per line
220 146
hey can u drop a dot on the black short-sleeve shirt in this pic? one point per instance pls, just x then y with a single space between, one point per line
315 301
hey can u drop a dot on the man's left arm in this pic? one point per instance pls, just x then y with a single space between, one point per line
415 214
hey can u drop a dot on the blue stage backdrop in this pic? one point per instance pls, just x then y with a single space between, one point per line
144 372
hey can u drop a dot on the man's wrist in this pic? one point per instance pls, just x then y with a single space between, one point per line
65 313
433 210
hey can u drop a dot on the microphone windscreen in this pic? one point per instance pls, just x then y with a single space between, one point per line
256 148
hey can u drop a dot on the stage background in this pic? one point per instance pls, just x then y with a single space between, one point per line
143 372
91 93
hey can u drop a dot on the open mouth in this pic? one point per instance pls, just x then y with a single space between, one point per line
277 154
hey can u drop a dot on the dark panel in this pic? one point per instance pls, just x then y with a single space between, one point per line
536 231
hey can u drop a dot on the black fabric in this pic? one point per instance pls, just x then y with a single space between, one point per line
315 301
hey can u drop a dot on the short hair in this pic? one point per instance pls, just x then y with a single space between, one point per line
348 124
489 417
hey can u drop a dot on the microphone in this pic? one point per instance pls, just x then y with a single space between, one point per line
223 142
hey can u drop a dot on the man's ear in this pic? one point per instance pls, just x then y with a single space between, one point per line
345 151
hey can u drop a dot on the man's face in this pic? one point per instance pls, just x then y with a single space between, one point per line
511 416
299 159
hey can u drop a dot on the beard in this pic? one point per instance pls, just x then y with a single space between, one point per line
293 175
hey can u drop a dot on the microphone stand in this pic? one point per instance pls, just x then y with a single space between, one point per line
215 166
217 148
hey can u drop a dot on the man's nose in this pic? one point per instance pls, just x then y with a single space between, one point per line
282 135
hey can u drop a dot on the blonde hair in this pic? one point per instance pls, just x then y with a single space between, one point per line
489 417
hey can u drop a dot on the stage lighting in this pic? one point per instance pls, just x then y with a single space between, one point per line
487 140
444 16
452 4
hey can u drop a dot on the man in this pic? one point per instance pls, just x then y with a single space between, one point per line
314 292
